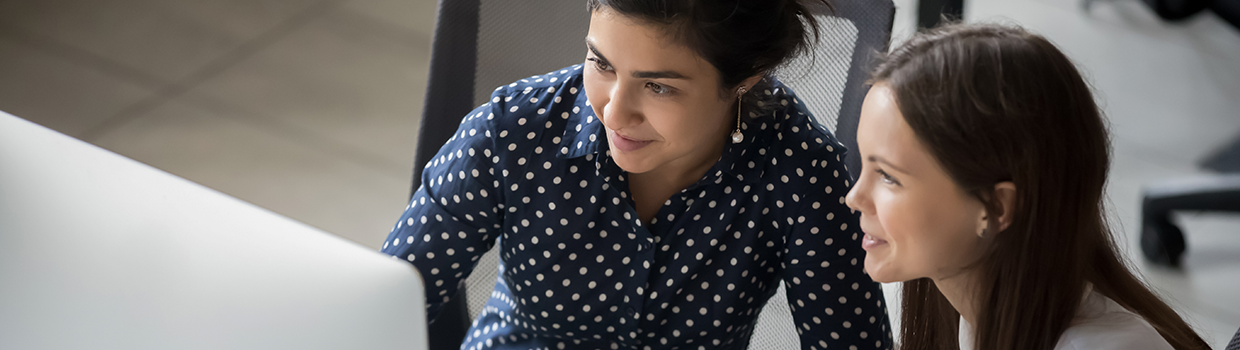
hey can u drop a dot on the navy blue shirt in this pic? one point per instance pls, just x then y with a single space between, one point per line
580 270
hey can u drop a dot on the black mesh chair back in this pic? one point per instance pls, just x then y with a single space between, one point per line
832 81
478 46
482 44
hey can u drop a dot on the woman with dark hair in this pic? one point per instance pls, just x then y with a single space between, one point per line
984 162
654 197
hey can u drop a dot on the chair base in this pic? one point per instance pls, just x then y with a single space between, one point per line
1162 241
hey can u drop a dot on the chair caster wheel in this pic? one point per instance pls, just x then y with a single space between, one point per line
1162 242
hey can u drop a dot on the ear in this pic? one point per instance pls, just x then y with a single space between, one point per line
749 82
1005 197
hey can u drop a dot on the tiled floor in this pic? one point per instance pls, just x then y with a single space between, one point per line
310 107
306 107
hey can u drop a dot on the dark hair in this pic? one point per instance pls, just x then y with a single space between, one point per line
740 38
996 103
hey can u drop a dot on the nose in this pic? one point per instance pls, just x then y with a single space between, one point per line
622 109
858 197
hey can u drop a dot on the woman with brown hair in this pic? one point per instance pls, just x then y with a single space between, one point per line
653 197
984 162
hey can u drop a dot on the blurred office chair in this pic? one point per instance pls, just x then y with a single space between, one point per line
1178 10
481 44
1162 241
1175 10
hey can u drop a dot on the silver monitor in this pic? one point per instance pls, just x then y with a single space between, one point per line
98 251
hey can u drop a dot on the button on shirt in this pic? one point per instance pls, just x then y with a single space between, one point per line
579 270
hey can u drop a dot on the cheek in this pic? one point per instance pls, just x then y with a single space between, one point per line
931 237
906 225
689 119
671 124
899 219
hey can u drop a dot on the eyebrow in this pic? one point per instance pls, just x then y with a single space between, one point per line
878 159
662 74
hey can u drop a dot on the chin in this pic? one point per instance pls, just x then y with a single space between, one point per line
631 163
879 272
632 168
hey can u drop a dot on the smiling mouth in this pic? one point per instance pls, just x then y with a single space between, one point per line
626 144
869 242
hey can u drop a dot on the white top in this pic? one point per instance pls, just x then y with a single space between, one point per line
1100 324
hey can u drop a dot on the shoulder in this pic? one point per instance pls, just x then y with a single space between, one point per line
521 113
1102 323
797 137
540 94
798 147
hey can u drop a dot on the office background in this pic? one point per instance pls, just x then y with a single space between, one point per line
310 108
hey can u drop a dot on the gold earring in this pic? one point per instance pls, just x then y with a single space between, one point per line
737 137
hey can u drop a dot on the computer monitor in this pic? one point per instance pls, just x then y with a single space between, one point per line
98 251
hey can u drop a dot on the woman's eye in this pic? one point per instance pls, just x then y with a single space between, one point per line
887 179
599 64
657 89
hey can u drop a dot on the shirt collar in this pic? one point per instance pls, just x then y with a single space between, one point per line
745 161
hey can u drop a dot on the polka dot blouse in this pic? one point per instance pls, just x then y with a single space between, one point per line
529 173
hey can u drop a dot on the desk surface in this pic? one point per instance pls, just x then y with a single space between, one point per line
100 251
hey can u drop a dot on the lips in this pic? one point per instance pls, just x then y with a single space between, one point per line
870 242
626 144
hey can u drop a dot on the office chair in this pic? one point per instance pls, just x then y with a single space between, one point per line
1162 241
481 44
1179 10
1175 10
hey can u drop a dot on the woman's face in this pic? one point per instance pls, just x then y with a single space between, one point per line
917 221
659 101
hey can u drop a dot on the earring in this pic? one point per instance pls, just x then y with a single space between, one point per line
737 137
982 233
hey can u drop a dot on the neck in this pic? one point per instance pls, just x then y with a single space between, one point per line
650 189
681 175
960 290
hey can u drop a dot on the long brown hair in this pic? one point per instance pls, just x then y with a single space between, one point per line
995 103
